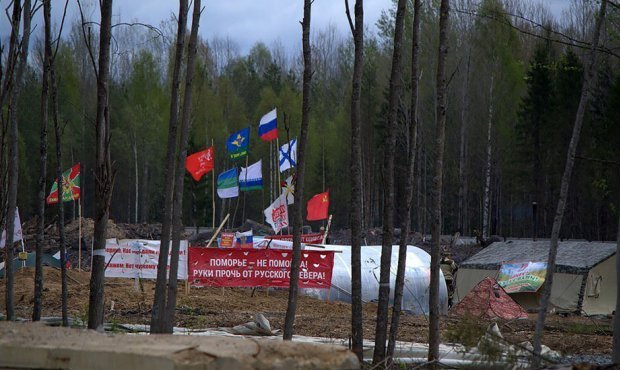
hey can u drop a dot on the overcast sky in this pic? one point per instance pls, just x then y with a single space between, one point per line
244 21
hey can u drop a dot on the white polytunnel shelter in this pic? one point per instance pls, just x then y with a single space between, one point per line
417 278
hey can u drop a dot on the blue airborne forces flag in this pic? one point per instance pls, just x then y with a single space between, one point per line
238 143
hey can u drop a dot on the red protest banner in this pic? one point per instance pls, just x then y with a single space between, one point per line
305 238
258 268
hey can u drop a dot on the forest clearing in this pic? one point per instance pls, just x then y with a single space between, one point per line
413 183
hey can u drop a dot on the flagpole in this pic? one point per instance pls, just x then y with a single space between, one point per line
213 186
79 235
277 160
246 187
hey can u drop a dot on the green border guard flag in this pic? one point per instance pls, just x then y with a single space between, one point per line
70 186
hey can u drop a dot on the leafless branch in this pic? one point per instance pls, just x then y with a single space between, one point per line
62 23
87 39
571 40
348 11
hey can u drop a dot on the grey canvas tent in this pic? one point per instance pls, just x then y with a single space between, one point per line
584 280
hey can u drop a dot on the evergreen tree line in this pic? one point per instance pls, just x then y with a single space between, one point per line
513 89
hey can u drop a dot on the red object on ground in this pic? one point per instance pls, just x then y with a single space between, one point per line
489 300
258 268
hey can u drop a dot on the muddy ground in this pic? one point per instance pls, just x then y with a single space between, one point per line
130 302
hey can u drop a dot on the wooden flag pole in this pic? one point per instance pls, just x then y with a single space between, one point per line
329 222
79 235
246 188
218 230
213 186
277 159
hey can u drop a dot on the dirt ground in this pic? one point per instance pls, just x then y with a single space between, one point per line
127 302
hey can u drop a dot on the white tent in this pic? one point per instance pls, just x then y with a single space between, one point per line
417 278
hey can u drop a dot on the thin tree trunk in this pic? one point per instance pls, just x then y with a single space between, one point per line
47 61
487 172
463 226
357 330
434 335
588 77
159 303
61 204
291 308
409 179
12 57
616 339
388 191
177 212
13 143
104 175
135 161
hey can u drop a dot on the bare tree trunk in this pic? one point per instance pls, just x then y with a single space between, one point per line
357 330
588 77
616 339
144 200
104 175
291 308
434 335
47 61
177 211
13 142
487 172
137 193
463 215
61 204
159 303
408 186
388 191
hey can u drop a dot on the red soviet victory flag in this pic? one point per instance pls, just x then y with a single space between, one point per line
318 206
200 163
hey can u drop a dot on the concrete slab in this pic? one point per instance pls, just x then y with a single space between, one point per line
34 345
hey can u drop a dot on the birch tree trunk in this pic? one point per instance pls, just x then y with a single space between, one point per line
177 212
291 308
47 61
408 186
13 143
135 161
388 191
486 203
588 78
104 175
357 30
434 335
159 302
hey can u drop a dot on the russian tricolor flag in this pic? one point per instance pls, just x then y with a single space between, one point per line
268 126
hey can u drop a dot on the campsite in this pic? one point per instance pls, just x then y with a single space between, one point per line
303 184
128 301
